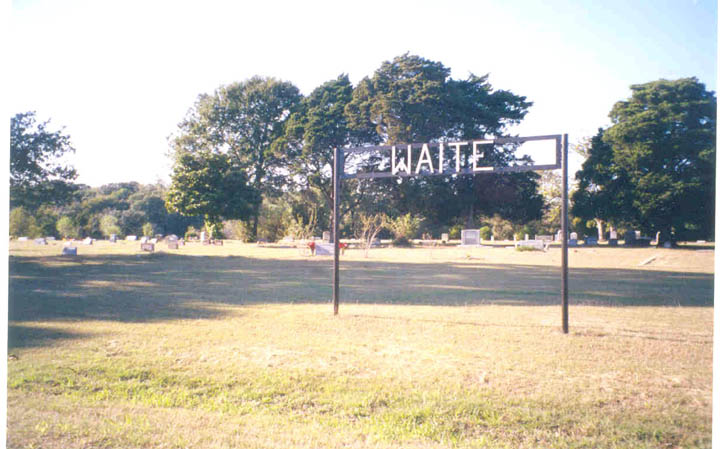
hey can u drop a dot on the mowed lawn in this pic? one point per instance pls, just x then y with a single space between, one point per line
236 346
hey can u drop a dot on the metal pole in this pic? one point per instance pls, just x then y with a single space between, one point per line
565 226
337 168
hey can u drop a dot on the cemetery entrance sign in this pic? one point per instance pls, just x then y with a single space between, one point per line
447 159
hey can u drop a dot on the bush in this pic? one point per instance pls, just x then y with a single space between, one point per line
405 226
22 224
67 227
109 225
191 233
455 231
402 242
148 230
485 233
237 230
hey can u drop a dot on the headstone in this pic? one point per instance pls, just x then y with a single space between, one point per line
88 241
324 249
203 236
613 242
470 237
326 236
131 238
113 238
638 234
376 242
22 239
534 244
172 244
172 237
591 241
492 238
544 238
558 236
445 237
69 251
667 244
572 242
218 242
613 235
527 237
41 241
153 241
573 236
143 239
50 238
147 247
657 237
630 237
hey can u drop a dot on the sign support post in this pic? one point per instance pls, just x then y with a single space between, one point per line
565 227
337 176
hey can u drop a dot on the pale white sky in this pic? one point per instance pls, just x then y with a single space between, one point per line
120 75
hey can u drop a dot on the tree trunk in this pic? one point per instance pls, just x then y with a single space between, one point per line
470 219
601 234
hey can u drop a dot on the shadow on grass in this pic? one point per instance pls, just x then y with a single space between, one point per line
20 336
168 287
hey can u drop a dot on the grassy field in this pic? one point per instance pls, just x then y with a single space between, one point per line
236 346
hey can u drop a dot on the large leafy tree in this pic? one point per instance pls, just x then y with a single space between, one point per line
38 175
654 167
412 99
242 120
211 185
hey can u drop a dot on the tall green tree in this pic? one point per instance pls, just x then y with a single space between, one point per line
38 175
210 185
654 167
242 120
412 99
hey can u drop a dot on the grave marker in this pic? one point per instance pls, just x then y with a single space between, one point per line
69 251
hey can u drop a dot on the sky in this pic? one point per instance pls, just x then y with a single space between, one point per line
119 76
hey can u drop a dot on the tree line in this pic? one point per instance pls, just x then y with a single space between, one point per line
254 160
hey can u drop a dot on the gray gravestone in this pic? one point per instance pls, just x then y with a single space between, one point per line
41 241
324 249
69 251
534 244
326 236
470 237
113 238
591 241
131 238
147 247
172 244
630 238
445 237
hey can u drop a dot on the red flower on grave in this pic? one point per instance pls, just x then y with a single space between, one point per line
311 245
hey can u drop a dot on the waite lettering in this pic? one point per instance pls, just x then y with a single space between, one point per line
425 161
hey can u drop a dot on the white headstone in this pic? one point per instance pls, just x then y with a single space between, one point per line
22 239
88 241
324 249
203 236
613 235
143 239
573 236
131 238
470 237
69 251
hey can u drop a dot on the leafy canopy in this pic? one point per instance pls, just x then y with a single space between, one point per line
654 167
37 173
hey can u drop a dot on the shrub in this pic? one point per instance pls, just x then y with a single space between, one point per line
23 224
148 230
237 230
67 227
455 231
405 226
191 233
109 225
402 242
485 232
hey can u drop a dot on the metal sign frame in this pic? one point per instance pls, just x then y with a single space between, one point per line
561 161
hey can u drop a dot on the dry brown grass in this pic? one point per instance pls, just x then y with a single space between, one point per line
236 346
